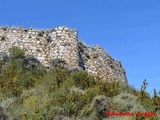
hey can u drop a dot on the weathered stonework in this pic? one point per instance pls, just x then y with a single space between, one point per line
62 43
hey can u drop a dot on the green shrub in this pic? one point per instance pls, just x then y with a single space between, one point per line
11 77
35 103
60 76
14 77
109 89
83 79
126 102
67 98
156 101
97 108
16 52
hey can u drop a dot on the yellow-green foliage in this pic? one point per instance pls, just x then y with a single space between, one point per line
109 89
156 101
13 75
16 52
83 79
29 92
97 109
126 102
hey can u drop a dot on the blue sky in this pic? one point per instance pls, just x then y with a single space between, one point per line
129 30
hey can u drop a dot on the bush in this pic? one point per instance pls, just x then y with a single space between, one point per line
16 52
68 98
14 77
97 108
126 102
109 89
83 79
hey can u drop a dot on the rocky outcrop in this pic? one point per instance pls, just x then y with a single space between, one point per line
62 43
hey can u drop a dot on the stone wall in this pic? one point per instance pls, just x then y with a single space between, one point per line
61 43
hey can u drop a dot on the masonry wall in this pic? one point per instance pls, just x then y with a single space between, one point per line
44 45
62 43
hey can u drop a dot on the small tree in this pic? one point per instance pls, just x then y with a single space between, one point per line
156 101
143 89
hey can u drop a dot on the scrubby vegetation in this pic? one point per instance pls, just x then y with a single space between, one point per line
28 91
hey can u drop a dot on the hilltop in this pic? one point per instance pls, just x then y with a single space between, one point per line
51 75
62 43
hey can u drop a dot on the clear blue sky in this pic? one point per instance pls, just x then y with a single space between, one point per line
129 30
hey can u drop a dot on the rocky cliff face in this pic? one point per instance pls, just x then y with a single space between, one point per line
62 43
